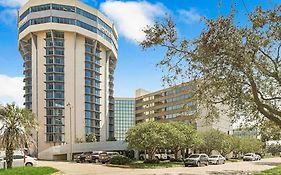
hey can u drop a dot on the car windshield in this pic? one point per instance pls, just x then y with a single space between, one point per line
248 155
213 156
194 156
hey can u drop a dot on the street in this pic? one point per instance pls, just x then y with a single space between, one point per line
231 168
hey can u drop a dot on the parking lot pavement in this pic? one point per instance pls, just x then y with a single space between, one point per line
233 168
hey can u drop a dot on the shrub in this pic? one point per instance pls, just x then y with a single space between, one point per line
152 161
176 160
120 160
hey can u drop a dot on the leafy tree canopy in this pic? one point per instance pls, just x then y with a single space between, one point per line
231 65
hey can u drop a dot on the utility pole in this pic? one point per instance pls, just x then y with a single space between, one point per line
70 133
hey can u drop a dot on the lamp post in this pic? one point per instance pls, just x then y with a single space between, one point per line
70 133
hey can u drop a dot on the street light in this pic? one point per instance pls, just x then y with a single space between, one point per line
70 123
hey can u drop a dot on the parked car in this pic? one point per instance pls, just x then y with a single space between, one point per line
257 157
249 157
81 158
216 159
93 157
196 160
22 160
106 156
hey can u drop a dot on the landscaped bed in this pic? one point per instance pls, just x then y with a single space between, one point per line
273 171
141 164
29 171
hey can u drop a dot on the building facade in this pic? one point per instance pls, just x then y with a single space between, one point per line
70 52
175 103
124 116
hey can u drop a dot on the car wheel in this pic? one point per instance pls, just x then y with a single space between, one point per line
29 164
198 164
185 165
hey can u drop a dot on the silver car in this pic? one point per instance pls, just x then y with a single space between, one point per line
216 159
197 160
249 157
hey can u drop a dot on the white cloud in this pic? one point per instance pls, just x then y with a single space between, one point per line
189 16
11 90
12 3
8 16
132 17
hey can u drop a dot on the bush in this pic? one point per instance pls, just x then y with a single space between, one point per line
152 161
120 160
176 160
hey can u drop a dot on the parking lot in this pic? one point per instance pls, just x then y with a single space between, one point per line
230 168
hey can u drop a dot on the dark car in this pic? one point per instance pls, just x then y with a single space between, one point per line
196 160
106 156
93 157
81 158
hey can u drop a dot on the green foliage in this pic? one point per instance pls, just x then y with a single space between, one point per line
120 160
29 171
18 125
250 145
273 171
153 161
230 65
183 136
274 149
151 136
148 136
212 140
269 131
91 137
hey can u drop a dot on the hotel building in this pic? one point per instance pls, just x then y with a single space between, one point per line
176 104
70 52
124 116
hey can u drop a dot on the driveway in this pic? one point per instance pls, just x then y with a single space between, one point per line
233 168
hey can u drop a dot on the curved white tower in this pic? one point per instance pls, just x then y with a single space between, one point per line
70 52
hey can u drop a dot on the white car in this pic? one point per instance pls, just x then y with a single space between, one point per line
216 159
21 160
249 157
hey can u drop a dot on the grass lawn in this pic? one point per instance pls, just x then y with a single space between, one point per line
29 171
141 165
273 171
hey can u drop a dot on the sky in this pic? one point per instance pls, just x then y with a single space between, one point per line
136 68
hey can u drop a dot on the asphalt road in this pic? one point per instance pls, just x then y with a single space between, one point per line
232 168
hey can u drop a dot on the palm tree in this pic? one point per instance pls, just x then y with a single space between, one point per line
16 125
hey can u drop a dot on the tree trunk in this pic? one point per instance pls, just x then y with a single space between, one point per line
9 156
176 150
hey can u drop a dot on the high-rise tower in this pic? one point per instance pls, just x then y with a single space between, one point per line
70 52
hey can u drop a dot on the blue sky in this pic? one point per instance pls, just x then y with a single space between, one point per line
135 68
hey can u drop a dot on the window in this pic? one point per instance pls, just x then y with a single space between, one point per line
88 98
59 52
88 66
40 8
59 78
88 73
24 14
88 57
63 20
86 14
63 8
40 20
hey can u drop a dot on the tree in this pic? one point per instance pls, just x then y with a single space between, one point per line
16 127
212 140
149 136
183 136
268 130
91 137
251 145
236 66
229 143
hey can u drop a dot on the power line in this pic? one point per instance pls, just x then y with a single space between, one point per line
244 4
